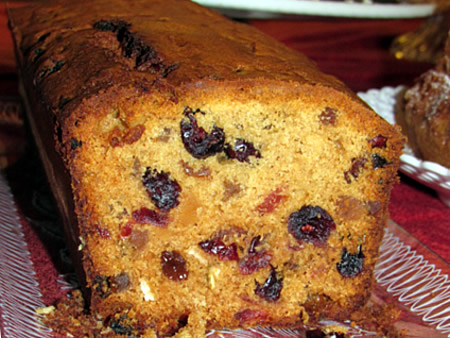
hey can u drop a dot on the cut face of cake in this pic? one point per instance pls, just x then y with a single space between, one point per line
213 187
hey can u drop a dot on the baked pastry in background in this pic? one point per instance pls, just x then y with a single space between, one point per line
208 176
425 115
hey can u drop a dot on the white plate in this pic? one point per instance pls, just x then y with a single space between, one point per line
431 174
280 8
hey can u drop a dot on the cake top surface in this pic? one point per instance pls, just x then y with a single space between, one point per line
150 43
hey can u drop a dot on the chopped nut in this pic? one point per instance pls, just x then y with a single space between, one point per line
45 310
197 254
213 275
145 288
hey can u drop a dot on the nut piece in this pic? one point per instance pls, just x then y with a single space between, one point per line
45 310
198 255
145 288
213 275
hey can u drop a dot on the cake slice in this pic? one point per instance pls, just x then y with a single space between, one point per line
208 177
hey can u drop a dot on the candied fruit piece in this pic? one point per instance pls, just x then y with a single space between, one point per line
357 165
196 140
231 189
190 171
379 161
378 141
125 232
271 202
162 190
271 289
174 266
242 150
149 216
252 315
311 224
120 282
328 116
139 238
351 265
217 247
350 208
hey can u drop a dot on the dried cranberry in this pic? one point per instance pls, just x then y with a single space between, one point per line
355 169
242 150
218 248
196 140
252 315
378 141
311 224
328 116
149 216
379 161
271 202
271 289
174 266
351 265
162 190
254 260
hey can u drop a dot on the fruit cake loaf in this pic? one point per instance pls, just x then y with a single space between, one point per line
218 178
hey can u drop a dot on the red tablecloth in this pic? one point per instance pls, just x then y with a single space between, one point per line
354 50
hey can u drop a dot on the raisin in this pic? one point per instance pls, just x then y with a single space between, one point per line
149 216
122 326
74 144
218 248
378 141
162 190
242 150
311 224
254 260
196 140
328 116
351 265
271 202
379 161
252 315
101 286
174 266
271 289
355 169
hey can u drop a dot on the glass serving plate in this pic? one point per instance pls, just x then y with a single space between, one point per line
431 174
408 275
